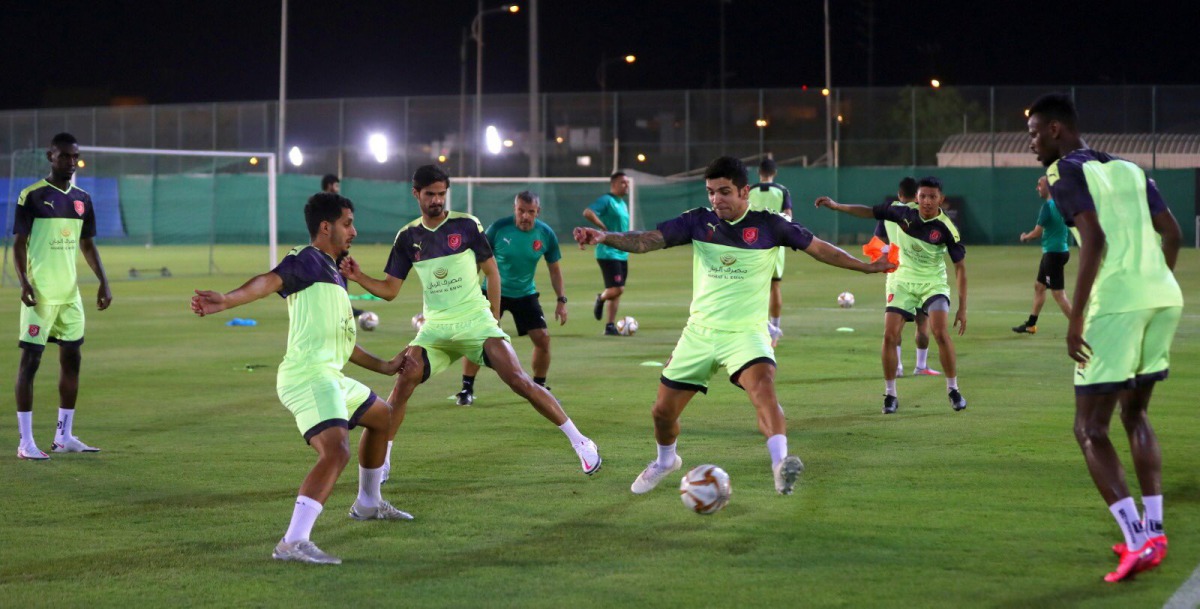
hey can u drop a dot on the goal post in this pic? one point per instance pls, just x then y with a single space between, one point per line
175 206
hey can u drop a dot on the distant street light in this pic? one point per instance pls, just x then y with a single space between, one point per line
602 78
477 35
935 83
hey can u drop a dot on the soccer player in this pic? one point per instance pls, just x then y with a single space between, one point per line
734 254
54 219
1126 308
886 233
447 250
518 242
310 383
926 235
1053 230
611 213
769 196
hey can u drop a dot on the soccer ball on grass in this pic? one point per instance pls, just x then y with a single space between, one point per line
845 300
418 320
705 489
626 326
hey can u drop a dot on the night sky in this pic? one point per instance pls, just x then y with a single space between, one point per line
65 54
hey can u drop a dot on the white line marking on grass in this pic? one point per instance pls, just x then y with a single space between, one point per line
1188 595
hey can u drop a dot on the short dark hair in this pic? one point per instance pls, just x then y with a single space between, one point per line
428 174
328 180
930 182
1055 107
324 207
63 138
727 167
908 187
529 196
616 176
768 167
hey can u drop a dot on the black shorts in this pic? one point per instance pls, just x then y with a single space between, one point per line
526 312
614 271
1050 271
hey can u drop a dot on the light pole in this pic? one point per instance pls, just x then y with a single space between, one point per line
462 106
477 35
826 91
602 78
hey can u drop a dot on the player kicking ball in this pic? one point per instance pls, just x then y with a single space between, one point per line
310 383
447 250
734 252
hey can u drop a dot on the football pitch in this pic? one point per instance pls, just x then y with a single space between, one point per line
989 507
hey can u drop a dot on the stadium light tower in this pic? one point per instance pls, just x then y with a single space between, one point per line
602 78
477 35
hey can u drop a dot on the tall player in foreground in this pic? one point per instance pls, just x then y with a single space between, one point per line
310 383
54 219
1126 308
734 252
926 235
448 250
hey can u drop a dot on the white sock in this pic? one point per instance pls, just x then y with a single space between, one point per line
303 519
1154 515
65 419
1126 514
368 486
899 359
572 434
951 383
387 459
666 455
774 321
923 358
777 446
889 387
25 427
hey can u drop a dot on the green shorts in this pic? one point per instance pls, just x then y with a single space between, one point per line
906 298
779 260
701 351
445 344
323 400
58 323
1128 349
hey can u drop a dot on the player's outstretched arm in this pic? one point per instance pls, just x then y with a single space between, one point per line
92 255
20 252
1166 226
207 302
858 211
385 288
833 255
960 275
634 242
362 357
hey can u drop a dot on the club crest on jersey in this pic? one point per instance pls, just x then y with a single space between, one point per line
454 241
34 330
749 235
935 235
890 297
79 209
537 245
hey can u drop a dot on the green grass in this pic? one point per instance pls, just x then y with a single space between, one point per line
928 508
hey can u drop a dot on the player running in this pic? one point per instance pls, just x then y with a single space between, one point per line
734 252
518 243
447 250
1123 320
770 196
310 383
886 233
53 220
1053 230
926 235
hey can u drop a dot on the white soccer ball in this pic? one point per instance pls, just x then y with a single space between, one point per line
626 326
418 320
705 489
845 300
368 321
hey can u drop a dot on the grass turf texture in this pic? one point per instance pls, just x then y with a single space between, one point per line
931 508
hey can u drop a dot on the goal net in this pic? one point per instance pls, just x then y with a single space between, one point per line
162 213
563 199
